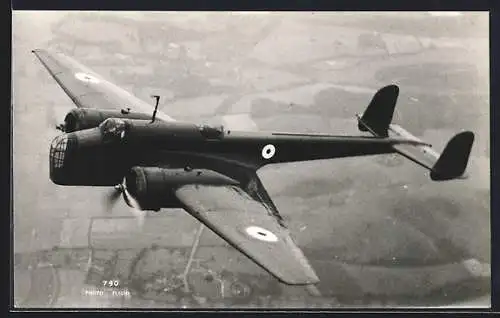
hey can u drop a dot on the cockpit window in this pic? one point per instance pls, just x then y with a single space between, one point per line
57 151
113 128
211 132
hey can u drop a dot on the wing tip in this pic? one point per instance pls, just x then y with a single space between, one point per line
309 278
37 52
41 51
300 282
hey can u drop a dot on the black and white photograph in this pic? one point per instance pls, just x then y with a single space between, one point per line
250 159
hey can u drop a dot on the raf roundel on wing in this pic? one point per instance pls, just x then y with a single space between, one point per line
84 77
261 234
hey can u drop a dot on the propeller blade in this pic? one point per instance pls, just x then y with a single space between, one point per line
51 116
136 208
112 198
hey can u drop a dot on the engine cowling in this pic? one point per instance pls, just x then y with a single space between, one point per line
154 187
85 118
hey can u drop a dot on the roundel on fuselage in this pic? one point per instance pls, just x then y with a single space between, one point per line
268 151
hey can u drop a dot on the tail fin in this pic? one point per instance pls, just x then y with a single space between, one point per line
453 161
378 115
451 164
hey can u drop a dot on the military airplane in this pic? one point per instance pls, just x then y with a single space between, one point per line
113 139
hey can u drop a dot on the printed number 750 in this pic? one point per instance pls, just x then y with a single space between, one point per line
111 283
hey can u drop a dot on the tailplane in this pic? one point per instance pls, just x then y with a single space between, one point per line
450 164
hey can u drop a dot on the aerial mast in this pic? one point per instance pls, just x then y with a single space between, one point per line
157 97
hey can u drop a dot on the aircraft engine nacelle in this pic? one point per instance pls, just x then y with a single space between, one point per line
154 187
85 118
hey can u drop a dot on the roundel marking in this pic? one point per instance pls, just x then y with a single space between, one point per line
268 151
84 77
261 234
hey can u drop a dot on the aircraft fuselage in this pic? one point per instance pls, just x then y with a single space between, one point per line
104 153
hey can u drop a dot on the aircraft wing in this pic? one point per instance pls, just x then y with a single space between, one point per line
250 227
87 89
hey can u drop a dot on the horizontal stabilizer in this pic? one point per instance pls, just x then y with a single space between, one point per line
377 118
448 165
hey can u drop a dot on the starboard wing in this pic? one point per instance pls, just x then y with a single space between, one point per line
87 89
250 227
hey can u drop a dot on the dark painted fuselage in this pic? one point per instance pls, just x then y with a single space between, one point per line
95 157
189 141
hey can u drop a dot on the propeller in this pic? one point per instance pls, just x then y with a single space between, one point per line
52 118
112 198
136 209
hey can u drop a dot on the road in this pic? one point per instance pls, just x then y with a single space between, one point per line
374 228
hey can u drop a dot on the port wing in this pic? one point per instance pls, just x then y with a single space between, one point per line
250 227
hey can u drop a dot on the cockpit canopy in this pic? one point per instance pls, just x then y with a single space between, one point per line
112 129
211 132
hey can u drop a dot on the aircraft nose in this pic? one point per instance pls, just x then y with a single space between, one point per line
60 149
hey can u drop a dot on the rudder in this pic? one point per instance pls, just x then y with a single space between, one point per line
378 115
454 158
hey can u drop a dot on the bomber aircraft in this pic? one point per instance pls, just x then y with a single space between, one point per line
113 139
